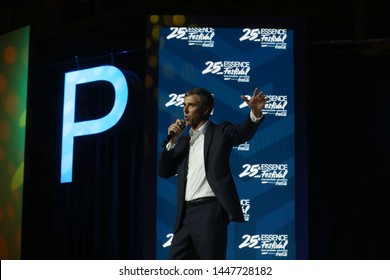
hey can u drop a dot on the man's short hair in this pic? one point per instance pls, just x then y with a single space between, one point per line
206 98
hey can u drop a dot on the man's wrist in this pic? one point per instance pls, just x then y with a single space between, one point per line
256 117
258 114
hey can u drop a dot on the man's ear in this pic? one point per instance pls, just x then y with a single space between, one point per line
207 111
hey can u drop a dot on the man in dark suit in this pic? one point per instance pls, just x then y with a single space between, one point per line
207 198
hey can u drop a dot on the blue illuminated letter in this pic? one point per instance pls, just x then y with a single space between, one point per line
70 128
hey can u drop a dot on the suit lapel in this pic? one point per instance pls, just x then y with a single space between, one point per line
207 139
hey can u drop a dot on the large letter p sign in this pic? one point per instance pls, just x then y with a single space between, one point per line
70 128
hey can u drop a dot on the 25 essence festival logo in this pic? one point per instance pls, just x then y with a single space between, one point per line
196 36
268 37
268 244
276 105
275 174
245 206
230 70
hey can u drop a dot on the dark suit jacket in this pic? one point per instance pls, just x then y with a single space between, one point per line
218 143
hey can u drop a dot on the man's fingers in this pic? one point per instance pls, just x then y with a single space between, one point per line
244 98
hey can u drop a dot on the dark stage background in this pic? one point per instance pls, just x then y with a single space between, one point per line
348 100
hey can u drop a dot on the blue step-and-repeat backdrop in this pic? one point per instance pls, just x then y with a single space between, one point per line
231 62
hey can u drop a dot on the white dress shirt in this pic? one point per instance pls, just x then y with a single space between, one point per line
197 185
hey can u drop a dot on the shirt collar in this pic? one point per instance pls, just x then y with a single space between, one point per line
200 130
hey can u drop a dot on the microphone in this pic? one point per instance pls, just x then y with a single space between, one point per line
171 134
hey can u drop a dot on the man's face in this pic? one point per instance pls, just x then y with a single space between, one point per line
194 114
